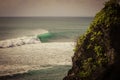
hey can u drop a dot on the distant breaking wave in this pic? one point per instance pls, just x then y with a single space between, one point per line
22 40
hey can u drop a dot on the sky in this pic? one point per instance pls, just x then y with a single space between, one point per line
57 8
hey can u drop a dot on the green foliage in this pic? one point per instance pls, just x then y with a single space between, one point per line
98 50
108 15
94 42
79 42
86 68
93 51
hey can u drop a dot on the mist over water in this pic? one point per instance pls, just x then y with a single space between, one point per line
61 29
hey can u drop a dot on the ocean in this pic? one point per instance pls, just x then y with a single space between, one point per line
60 29
53 29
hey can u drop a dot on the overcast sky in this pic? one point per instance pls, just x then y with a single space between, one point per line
50 7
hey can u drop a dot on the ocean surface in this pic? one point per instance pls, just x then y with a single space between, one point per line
60 29
54 73
55 29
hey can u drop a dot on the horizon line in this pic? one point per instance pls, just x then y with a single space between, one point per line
42 16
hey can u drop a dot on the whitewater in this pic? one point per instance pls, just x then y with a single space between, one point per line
27 53
28 44
23 40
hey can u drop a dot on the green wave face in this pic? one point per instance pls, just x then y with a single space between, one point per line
60 36
45 37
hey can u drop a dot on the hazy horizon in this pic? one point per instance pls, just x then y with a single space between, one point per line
50 8
46 16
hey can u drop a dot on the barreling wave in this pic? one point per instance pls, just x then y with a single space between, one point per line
60 36
23 40
45 37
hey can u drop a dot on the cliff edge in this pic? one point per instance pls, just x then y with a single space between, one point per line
97 52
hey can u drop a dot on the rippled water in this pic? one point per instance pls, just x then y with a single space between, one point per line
54 73
60 28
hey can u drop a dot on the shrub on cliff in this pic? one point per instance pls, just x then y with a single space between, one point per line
97 52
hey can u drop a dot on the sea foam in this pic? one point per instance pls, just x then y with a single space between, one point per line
22 40
19 42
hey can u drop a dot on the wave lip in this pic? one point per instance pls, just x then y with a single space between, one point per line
19 41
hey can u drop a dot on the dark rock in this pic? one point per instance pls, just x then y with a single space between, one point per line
97 52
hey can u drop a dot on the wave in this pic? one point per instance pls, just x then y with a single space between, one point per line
22 40
58 36
45 37
18 42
